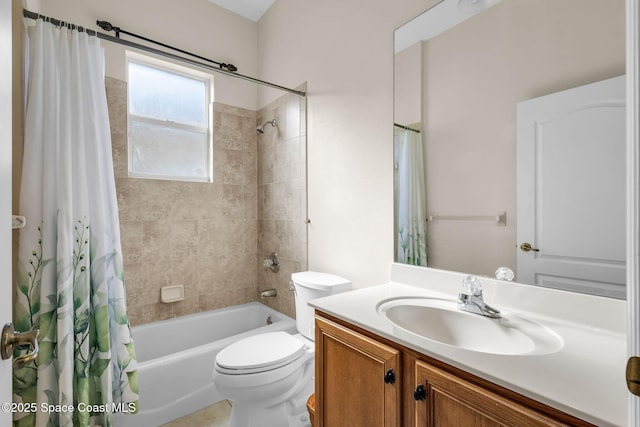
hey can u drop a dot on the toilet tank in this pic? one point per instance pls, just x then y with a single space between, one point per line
310 285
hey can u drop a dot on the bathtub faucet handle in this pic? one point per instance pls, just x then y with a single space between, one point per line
273 262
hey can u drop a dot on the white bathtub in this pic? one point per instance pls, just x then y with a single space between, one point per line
176 357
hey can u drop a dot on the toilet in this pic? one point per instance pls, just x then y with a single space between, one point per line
269 377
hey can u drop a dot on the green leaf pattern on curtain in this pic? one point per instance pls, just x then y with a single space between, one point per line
70 282
413 245
94 317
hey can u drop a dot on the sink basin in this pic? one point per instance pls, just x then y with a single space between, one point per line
441 320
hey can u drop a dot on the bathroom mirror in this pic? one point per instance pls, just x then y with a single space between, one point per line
462 71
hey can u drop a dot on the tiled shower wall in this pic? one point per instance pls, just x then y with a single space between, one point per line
282 200
213 237
200 235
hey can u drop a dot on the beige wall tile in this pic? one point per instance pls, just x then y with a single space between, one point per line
156 240
182 236
155 312
281 177
131 241
129 195
212 237
230 166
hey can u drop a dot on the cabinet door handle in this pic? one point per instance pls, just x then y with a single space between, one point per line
390 377
420 393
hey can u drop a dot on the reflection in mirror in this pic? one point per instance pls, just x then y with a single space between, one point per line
468 82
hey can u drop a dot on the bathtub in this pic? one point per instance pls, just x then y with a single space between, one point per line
176 357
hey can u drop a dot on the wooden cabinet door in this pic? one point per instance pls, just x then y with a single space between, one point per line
357 379
450 401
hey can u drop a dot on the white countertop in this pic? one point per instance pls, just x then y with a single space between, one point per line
585 378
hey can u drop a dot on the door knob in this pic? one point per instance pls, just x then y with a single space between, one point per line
526 247
633 375
11 339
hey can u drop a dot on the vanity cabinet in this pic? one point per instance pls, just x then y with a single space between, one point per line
369 381
446 400
356 379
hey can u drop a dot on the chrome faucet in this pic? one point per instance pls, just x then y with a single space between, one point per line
273 262
471 299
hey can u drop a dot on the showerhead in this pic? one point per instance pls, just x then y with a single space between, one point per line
261 127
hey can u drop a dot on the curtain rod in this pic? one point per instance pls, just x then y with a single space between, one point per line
406 128
107 37
106 25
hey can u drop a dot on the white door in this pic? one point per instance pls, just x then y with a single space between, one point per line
571 203
633 193
5 199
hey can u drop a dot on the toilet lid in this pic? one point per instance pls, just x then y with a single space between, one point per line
260 352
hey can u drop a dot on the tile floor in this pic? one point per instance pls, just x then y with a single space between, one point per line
216 415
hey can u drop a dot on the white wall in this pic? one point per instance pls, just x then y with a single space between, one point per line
407 85
198 26
344 51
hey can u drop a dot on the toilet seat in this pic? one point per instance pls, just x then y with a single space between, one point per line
259 353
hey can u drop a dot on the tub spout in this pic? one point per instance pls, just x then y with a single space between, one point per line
269 293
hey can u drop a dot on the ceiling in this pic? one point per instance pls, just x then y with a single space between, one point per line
251 9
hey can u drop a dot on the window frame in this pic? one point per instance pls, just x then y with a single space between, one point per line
180 70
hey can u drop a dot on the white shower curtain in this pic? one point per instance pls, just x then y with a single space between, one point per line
70 277
410 199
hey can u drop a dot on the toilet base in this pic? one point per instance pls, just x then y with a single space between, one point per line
291 413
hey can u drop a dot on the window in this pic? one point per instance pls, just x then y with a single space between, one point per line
170 131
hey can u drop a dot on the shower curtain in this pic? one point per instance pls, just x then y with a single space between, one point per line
410 199
70 276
